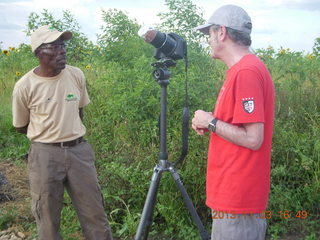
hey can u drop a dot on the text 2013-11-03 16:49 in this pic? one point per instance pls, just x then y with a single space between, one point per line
286 214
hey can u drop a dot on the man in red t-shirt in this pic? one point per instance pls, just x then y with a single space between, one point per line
238 171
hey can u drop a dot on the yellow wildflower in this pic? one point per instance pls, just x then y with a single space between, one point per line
88 67
282 51
5 52
18 74
309 56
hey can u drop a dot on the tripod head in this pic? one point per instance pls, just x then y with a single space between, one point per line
162 68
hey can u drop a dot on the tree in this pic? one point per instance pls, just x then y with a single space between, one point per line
316 47
118 27
183 16
119 40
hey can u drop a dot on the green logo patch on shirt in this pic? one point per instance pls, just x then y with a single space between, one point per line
71 97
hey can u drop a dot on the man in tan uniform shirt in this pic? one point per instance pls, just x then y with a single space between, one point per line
47 106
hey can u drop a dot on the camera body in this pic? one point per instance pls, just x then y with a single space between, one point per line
173 47
169 45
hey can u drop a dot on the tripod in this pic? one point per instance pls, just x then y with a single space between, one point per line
162 74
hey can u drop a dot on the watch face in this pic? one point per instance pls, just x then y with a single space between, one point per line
212 125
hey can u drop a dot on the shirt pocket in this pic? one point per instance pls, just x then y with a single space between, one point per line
43 107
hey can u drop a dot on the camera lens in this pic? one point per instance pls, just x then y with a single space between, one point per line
167 45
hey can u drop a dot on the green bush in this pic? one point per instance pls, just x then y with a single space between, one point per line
122 124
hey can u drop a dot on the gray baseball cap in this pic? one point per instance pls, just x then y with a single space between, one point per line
229 16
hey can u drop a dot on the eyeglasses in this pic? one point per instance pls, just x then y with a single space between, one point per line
54 47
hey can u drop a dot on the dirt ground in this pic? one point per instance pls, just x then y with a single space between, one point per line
14 196
16 186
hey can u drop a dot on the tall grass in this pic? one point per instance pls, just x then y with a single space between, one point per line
122 127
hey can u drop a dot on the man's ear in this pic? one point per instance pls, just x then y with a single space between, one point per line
223 33
37 52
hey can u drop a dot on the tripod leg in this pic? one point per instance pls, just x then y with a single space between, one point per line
147 213
203 233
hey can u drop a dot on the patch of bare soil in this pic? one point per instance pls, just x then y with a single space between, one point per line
14 198
14 184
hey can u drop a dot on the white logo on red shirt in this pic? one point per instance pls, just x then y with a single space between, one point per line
248 104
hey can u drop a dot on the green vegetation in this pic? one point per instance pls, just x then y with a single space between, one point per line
122 126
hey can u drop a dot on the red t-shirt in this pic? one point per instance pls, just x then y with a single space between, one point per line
238 179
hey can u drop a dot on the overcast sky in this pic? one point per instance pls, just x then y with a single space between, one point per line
290 24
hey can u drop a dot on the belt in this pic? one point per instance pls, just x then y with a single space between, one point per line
68 143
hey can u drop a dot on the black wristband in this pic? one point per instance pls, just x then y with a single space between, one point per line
212 125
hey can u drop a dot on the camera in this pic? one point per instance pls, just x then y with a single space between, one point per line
167 45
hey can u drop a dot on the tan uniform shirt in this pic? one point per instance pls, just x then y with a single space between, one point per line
50 105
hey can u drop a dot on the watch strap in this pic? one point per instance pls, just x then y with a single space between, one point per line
212 125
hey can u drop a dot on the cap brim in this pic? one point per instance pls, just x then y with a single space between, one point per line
204 28
64 35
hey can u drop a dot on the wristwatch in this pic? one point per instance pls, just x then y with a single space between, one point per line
212 125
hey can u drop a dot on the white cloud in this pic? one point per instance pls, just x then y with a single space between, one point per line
16 37
288 23
312 5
